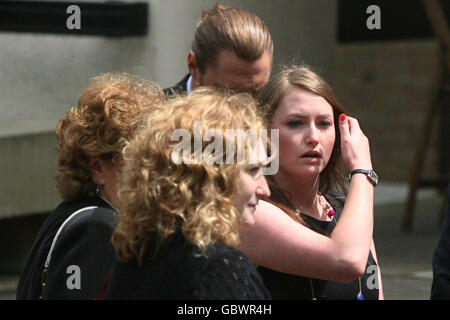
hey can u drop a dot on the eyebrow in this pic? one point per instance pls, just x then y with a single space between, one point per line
295 114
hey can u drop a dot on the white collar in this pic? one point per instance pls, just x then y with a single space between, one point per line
188 85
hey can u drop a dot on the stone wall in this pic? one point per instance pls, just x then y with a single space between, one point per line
389 86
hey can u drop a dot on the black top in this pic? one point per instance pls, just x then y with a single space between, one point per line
440 288
287 286
83 243
178 271
179 88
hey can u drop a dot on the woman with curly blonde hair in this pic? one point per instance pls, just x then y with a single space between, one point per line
180 211
72 252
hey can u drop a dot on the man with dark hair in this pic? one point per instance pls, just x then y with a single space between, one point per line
232 48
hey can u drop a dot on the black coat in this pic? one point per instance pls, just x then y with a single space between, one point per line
84 242
440 288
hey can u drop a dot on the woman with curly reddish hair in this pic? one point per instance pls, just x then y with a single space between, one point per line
180 211
72 252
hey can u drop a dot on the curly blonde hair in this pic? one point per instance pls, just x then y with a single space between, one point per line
108 113
159 197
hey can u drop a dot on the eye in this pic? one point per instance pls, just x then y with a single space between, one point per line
325 123
294 123
254 171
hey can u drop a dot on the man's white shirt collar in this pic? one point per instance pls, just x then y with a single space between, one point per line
188 85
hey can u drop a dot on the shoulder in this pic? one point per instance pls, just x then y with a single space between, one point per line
221 254
267 212
81 248
91 215
271 224
68 212
29 283
223 260
54 221
85 226
270 219
229 274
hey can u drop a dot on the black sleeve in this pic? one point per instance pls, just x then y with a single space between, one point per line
82 257
440 288
231 276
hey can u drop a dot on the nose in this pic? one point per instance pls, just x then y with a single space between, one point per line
312 136
262 189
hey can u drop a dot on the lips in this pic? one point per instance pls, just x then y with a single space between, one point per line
312 154
253 204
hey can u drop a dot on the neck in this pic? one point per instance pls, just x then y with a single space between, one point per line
301 191
190 85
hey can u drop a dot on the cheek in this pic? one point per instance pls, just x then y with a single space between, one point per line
328 144
247 189
288 144
244 193
287 141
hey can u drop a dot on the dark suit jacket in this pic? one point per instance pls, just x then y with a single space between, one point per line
179 88
440 288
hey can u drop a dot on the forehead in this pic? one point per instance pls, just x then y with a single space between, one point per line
236 73
300 101
258 152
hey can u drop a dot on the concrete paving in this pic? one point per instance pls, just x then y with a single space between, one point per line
404 258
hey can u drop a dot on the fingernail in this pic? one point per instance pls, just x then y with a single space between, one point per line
342 117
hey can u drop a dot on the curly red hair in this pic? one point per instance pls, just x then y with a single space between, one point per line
108 113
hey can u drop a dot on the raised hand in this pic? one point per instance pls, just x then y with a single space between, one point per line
355 147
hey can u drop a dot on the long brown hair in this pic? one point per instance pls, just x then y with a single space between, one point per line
304 77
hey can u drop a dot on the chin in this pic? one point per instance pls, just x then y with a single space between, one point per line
309 172
248 217
247 224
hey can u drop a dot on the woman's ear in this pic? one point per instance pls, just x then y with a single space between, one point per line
97 170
